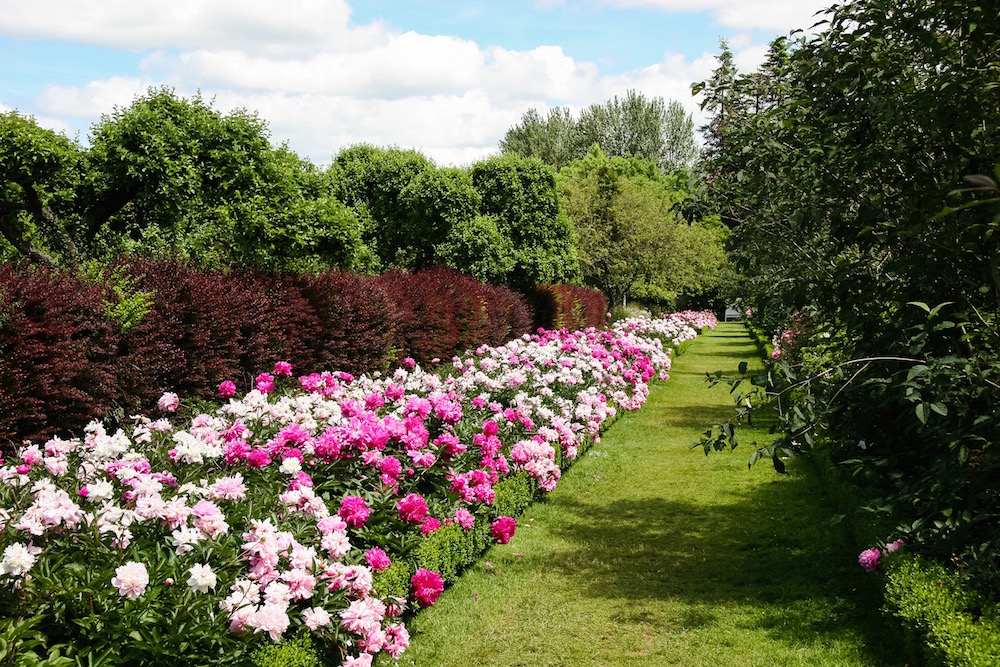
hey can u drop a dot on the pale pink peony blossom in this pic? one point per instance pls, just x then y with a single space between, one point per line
169 402
130 579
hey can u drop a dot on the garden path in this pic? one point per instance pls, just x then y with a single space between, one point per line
649 553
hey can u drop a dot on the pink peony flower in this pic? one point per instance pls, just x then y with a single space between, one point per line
503 529
412 508
363 660
227 389
270 618
377 559
130 579
283 368
429 525
427 586
465 518
264 383
868 559
354 511
316 617
168 402
894 546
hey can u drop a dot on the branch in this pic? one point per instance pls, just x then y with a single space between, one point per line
15 237
865 360
43 213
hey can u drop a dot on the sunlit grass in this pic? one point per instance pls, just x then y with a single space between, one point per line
649 553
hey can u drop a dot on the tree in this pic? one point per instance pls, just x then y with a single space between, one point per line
552 140
169 174
520 195
834 162
630 237
636 126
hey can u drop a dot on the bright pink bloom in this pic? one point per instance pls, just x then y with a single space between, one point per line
427 587
264 383
283 368
465 518
503 529
868 559
259 458
412 508
894 546
377 559
429 525
354 511
227 389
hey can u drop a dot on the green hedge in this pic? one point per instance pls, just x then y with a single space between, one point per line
952 624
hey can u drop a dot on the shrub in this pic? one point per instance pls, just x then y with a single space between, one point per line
356 320
569 306
57 352
953 622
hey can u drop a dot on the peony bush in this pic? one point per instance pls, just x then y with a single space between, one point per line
204 531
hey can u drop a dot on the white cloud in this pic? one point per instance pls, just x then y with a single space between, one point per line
287 27
323 84
781 15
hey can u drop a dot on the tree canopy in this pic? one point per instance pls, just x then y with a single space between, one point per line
634 126
632 240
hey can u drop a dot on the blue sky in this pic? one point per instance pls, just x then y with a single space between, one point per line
445 77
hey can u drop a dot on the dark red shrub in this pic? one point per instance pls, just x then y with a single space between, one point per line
356 320
569 306
509 315
56 354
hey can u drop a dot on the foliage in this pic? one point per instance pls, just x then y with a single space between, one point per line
173 175
956 626
631 240
569 306
634 126
521 195
57 353
554 140
833 162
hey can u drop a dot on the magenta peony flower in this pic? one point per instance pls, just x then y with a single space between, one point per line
377 559
283 368
227 389
354 511
264 383
465 518
503 529
412 508
429 525
869 559
427 587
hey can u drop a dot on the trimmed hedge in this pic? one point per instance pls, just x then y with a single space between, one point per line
441 312
73 348
952 624
567 306
57 353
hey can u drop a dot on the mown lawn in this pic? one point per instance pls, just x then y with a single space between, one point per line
649 553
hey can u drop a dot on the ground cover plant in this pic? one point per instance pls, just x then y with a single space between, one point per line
199 533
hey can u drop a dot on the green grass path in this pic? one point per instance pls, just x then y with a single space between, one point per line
649 553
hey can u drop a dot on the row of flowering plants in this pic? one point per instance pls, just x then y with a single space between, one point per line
201 533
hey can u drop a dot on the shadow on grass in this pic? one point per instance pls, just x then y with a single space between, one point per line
763 549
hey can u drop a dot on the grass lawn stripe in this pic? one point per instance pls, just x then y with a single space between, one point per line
649 553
